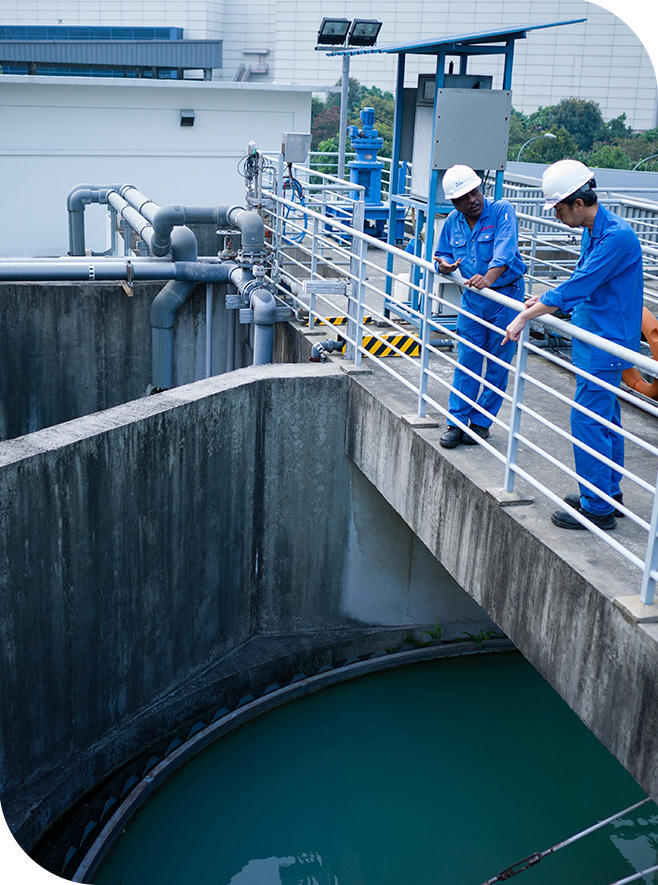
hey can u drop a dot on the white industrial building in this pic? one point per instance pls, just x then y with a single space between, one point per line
274 40
56 132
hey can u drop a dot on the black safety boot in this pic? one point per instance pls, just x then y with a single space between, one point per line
451 438
565 520
482 432
574 501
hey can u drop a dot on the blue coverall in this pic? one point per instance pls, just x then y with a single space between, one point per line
604 295
493 242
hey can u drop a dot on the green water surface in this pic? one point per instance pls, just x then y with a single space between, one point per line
440 773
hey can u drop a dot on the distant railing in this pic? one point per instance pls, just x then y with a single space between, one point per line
328 161
325 247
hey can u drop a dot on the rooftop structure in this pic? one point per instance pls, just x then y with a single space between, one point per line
127 52
600 59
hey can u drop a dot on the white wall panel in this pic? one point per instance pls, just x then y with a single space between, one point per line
58 132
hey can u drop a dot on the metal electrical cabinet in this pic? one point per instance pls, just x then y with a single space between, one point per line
471 127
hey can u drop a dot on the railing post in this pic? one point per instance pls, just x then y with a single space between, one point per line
533 255
314 247
279 209
515 416
324 215
424 341
648 589
356 266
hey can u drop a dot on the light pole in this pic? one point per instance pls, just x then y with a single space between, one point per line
342 126
335 32
643 161
534 138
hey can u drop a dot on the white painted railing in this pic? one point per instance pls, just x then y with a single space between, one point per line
326 247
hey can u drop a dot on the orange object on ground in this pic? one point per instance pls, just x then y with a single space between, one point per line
632 376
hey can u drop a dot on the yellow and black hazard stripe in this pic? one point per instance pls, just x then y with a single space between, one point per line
336 321
384 344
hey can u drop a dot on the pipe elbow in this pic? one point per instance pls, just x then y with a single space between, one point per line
251 227
264 307
78 198
183 244
164 220
168 301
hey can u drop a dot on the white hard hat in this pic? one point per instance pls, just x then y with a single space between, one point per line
459 180
562 179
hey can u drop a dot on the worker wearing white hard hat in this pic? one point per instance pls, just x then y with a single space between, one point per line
604 294
480 237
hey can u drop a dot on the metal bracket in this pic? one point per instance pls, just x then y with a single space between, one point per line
234 301
283 314
325 287
127 285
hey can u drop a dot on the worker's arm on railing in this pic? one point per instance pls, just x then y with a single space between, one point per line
514 329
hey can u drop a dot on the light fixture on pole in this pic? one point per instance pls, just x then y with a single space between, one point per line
643 161
336 32
333 31
364 32
534 138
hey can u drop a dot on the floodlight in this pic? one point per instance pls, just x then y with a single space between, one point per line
333 31
364 32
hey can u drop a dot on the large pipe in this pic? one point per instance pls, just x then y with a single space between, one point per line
77 199
248 221
264 308
131 216
139 211
134 269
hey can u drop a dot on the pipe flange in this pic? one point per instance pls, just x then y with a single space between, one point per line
251 259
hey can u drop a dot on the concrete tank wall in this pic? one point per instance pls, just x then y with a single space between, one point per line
152 549
70 349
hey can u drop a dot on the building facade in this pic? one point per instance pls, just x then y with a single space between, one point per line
274 40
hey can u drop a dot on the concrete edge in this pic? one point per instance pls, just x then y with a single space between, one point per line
68 433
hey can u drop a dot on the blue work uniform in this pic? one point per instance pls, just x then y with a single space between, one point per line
604 295
493 242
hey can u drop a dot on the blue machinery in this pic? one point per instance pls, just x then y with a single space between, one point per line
431 126
367 171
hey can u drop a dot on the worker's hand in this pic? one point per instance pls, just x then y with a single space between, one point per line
532 300
477 281
444 266
514 329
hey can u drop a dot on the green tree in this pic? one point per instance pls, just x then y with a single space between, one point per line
607 156
581 118
617 128
548 150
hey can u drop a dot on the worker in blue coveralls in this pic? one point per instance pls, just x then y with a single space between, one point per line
480 238
604 295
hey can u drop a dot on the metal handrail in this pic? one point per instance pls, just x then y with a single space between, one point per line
319 246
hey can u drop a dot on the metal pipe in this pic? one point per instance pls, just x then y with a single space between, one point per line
131 216
108 269
342 129
264 307
248 221
230 341
77 199
209 295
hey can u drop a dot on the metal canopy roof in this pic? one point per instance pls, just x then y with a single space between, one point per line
459 42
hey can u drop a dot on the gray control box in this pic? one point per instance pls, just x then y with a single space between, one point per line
295 146
472 128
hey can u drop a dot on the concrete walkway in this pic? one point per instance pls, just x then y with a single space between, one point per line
609 569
